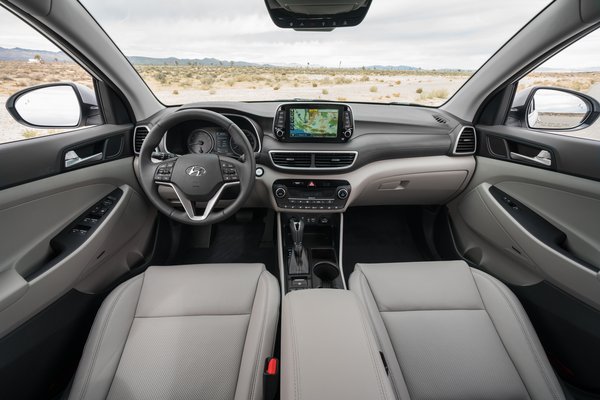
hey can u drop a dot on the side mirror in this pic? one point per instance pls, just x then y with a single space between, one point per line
55 105
549 108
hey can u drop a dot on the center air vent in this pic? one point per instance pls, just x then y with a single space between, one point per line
334 160
139 134
313 160
291 160
466 143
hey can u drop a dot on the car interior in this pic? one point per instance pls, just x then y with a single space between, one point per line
300 247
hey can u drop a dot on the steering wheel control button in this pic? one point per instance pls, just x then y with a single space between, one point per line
164 172
229 172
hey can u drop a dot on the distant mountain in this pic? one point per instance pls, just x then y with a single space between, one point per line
547 69
393 67
140 60
19 54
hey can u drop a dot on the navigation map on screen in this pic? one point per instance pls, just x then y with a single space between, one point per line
314 122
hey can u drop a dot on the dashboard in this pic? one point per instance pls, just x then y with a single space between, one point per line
330 156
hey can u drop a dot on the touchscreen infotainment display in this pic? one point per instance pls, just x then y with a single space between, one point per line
314 123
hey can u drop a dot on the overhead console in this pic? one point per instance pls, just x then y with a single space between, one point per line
313 123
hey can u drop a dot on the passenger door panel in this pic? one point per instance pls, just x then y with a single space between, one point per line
551 233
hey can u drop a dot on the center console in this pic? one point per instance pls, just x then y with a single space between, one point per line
309 247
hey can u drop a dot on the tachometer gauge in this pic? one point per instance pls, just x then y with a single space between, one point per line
237 149
200 141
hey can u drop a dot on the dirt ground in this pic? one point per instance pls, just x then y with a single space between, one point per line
190 83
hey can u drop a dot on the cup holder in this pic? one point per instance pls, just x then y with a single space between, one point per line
327 272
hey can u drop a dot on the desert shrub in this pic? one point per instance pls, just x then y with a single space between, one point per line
373 89
419 90
29 133
325 91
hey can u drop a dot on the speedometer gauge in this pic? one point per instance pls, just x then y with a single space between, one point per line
200 141
237 149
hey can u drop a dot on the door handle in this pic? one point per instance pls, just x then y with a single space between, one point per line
544 158
72 159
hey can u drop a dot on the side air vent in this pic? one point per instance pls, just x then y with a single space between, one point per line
139 134
291 160
466 143
334 160
440 119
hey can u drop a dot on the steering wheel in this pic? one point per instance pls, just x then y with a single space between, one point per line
197 177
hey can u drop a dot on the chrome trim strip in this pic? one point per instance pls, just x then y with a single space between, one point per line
134 133
188 206
314 151
458 138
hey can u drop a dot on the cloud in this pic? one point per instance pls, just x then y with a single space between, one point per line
427 33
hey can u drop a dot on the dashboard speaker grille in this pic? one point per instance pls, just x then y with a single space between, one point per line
334 160
440 119
139 134
466 142
292 160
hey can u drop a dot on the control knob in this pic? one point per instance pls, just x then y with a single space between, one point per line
280 192
342 193
279 132
347 133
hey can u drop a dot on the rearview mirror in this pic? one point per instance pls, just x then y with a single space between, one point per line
55 105
317 15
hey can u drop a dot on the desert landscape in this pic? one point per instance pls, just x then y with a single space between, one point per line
178 84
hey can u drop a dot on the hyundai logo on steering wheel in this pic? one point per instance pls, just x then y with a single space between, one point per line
195 171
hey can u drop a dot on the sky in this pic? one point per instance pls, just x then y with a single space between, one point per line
430 34
457 34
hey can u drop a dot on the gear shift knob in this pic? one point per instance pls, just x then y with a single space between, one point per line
297 229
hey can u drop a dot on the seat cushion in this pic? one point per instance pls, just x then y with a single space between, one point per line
452 332
182 332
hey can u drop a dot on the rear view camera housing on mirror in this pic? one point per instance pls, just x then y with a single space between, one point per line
316 15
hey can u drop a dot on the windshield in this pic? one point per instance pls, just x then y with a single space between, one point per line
404 51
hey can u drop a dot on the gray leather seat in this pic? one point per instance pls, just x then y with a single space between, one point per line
451 332
182 332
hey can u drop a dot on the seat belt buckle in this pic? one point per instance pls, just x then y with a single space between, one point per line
271 378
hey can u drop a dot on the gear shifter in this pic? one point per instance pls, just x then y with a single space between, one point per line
297 228
298 262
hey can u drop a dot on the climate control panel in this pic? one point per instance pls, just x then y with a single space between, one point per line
311 194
